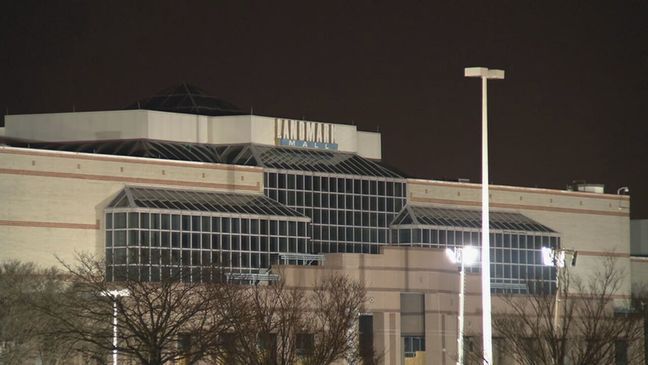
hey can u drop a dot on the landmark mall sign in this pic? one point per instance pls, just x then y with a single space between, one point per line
299 133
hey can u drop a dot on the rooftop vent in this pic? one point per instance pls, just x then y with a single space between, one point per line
584 186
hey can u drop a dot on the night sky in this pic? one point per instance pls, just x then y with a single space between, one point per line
574 105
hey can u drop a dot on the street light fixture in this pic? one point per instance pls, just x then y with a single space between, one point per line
114 294
552 257
556 257
487 331
466 255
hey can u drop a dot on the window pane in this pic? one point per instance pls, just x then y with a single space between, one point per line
120 220
166 221
109 220
133 220
155 221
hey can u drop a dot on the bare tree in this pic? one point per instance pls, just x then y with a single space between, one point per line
287 325
640 304
23 330
334 309
156 322
579 324
214 321
275 315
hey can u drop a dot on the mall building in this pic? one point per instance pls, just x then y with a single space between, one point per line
180 182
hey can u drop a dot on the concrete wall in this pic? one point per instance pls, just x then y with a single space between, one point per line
131 124
52 202
639 236
369 145
639 269
263 130
176 127
119 124
346 136
232 129
403 270
82 126
399 270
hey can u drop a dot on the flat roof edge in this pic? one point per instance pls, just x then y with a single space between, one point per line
132 159
518 188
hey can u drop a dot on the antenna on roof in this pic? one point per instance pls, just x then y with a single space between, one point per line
378 128
251 110
138 105
73 107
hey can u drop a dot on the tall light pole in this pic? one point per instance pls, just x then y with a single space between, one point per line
466 256
487 331
114 294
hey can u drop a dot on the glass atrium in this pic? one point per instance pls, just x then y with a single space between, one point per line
350 199
152 234
516 243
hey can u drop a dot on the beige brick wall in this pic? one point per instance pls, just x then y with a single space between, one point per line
52 202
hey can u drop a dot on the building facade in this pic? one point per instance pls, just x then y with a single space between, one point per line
167 193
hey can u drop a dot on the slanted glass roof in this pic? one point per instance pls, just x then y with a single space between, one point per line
187 99
198 152
201 201
287 158
446 217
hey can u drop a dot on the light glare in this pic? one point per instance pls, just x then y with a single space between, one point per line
552 258
547 256
470 255
452 255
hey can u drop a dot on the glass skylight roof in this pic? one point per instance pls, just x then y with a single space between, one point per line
201 201
446 217
284 158
198 152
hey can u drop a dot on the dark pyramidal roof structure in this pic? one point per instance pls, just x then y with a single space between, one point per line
188 99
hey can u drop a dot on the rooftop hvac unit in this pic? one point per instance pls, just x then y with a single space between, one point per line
586 187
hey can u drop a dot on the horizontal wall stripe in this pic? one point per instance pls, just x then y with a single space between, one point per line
603 254
372 290
447 201
127 179
126 159
431 311
520 206
576 295
521 189
36 224
373 268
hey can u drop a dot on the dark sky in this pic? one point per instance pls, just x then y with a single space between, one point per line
574 104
